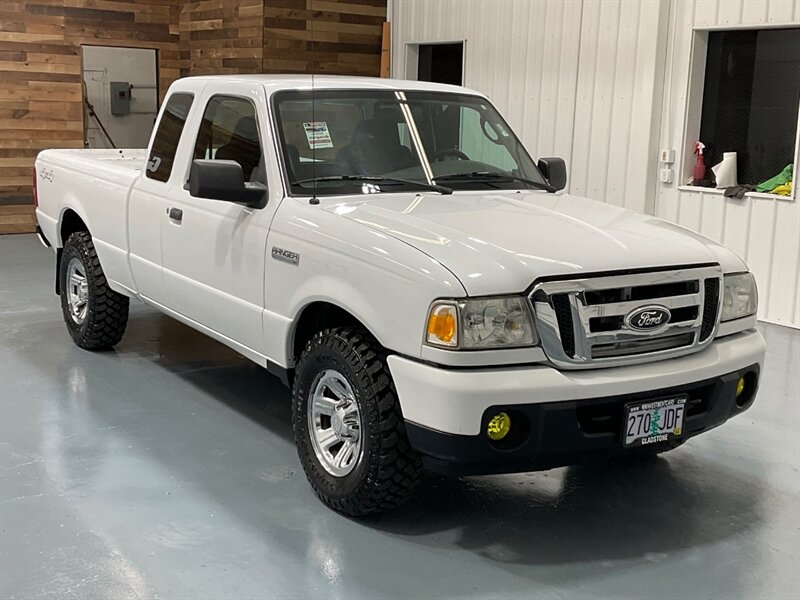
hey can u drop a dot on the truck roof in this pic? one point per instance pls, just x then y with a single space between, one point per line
275 83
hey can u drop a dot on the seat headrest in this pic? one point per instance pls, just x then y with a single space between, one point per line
246 129
375 130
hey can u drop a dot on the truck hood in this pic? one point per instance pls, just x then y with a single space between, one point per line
500 243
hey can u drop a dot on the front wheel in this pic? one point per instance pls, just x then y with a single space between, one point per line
348 427
95 315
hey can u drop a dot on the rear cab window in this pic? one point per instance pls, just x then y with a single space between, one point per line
168 135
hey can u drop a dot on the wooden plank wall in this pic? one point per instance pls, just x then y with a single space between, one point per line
296 36
221 36
323 36
18 218
40 58
40 70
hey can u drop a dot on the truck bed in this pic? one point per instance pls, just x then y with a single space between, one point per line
117 165
96 185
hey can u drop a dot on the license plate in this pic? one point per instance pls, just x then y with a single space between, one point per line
654 421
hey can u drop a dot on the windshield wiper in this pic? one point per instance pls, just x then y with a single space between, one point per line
377 178
496 175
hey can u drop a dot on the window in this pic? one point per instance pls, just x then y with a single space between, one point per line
170 127
229 131
442 63
750 100
465 134
342 133
332 139
481 141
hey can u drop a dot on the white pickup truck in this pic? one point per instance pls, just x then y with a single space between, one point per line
392 252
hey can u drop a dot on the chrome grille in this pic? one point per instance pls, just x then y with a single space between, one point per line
585 323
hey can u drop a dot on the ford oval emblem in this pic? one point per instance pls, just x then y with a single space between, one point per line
647 318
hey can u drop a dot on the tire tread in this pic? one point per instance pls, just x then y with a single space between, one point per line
396 474
107 317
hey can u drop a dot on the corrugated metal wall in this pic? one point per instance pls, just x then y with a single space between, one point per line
530 77
764 231
603 84
546 64
619 89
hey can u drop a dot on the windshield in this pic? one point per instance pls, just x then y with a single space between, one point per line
372 141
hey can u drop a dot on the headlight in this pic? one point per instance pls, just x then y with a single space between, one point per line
481 323
739 296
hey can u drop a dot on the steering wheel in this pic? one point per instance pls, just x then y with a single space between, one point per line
449 152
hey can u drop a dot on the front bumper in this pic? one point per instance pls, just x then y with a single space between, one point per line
446 410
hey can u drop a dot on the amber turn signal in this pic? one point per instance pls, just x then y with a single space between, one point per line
442 325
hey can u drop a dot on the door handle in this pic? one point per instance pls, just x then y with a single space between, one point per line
175 214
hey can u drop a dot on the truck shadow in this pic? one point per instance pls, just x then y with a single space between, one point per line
596 512
214 368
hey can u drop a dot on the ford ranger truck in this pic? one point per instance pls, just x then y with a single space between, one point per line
392 252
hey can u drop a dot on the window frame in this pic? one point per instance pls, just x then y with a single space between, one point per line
202 115
694 108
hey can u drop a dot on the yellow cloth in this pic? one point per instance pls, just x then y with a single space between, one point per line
785 189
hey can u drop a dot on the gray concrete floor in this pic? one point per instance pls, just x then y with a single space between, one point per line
166 469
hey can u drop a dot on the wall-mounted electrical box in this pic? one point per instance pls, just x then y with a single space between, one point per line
120 98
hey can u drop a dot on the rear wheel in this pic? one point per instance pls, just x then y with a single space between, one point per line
348 427
95 315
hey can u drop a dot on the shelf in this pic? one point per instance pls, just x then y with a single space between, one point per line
720 192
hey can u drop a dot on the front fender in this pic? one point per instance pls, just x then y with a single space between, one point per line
387 284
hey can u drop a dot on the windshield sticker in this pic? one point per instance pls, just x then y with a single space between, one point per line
318 135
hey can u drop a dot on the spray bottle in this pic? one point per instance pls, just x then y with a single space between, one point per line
700 166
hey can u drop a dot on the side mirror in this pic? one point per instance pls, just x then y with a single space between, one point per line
224 180
554 170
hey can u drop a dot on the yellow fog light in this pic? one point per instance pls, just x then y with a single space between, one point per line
498 427
740 387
